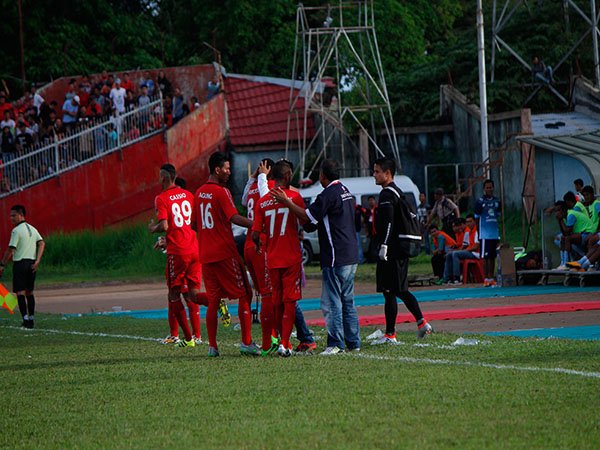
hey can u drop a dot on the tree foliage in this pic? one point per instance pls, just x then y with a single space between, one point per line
423 43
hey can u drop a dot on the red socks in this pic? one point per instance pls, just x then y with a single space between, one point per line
211 323
194 313
266 321
179 313
287 325
173 326
245 316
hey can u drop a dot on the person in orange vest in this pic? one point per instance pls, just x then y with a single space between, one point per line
442 244
468 250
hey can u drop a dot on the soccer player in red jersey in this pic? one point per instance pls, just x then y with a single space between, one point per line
284 257
224 272
174 209
257 186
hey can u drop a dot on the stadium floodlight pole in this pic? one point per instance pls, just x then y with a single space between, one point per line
485 150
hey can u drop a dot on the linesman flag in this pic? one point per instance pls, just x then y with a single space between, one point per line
8 300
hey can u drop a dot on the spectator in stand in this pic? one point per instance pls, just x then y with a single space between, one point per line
99 99
130 101
107 86
71 90
70 110
117 97
194 104
371 229
85 89
59 128
423 211
214 87
143 99
442 244
177 106
445 211
127 84
24 138
4 105
8 122
164 85
9 152
149 82
37 99
54 107
112 137
94 109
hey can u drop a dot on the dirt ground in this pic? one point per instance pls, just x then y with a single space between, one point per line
144 296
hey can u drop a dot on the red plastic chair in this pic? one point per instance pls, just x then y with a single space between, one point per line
474 267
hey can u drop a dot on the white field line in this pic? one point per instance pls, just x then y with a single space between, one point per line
83 333
448 362
405 359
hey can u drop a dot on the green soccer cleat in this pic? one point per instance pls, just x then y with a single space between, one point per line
184 343
272 350
223 313
213 352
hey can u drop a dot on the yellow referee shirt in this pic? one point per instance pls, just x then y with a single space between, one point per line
24 239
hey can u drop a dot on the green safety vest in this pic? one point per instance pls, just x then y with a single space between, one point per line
595 218
583 223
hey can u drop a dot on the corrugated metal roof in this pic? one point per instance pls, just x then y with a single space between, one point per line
258 111
573 134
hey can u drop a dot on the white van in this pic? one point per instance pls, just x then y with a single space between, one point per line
362 188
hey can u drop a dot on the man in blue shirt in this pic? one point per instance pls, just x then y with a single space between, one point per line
487 210
332 213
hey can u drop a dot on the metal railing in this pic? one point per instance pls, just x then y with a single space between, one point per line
88 142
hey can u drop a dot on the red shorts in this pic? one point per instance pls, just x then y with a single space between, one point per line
184 270
257 266
287 283
226 279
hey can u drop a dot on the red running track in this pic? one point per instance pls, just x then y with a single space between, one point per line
473 313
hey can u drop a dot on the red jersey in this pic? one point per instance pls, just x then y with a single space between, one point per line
176 205
280 226
253 197
212 215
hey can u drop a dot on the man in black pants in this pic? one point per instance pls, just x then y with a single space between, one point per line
392 266
25 248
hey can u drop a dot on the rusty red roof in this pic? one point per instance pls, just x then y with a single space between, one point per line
258 112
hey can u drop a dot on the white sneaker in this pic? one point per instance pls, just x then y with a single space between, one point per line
198 341
331 351
457 283
170 340
285 352
386 339
562 267
375 335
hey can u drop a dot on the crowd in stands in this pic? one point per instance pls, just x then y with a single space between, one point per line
30 123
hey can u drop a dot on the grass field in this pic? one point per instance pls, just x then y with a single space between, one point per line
63 390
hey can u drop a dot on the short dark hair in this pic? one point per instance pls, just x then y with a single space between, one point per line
433 226
217 159
587 189
386 164
180 182
280 168
569 197
439 191
288 162
169 169
488 181
19 209
578 181
471 216
371 197
561 204
330 170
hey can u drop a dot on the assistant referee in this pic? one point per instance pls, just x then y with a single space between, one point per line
25 248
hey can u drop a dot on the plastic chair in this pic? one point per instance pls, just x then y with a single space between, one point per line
475 268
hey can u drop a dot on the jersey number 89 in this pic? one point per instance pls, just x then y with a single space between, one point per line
182 214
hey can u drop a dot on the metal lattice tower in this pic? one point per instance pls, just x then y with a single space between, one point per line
336 50
510 7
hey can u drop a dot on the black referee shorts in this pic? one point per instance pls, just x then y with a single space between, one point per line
392 275
23 275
